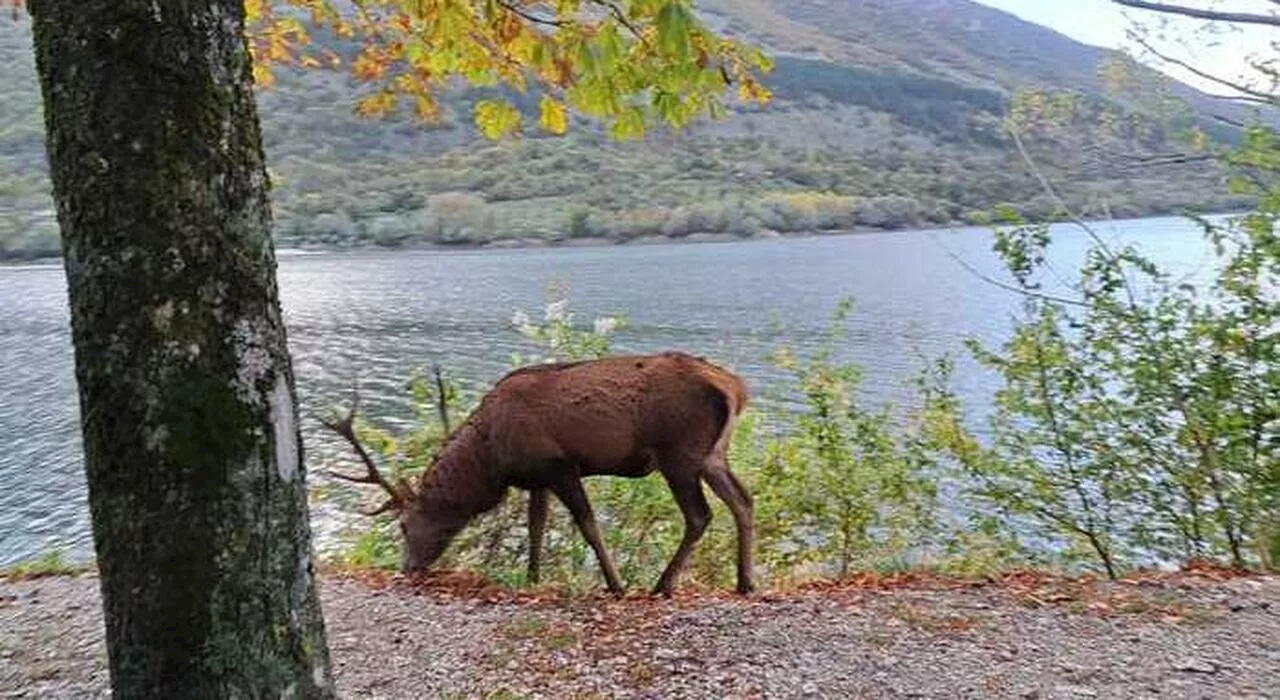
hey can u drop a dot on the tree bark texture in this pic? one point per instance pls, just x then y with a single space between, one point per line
192 450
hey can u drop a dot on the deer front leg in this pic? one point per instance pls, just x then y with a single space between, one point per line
537 526
574 497
697 514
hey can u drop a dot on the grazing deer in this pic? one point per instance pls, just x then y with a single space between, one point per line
544 427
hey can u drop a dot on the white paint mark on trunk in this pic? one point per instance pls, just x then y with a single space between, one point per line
284 424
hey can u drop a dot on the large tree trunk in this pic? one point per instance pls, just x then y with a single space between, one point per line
192 449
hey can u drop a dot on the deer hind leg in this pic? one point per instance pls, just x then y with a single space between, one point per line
697 514
574 497
538 503
727 487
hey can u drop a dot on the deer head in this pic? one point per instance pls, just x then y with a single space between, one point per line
421 533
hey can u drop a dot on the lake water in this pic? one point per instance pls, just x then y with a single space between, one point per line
379 315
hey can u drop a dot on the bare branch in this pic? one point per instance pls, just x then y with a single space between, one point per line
520 12
1242 99
1247 93
1103 156
1057 198
1200 13
1004 285
611 8
1174 158
1137 163
621 17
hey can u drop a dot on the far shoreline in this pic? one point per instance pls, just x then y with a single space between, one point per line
528 243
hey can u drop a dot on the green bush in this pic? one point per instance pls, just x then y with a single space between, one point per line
1137 425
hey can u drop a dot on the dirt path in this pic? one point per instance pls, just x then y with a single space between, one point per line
1191 636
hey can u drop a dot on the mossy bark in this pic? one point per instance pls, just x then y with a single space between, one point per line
192 449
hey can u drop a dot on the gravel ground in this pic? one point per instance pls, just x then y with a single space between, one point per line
1198 635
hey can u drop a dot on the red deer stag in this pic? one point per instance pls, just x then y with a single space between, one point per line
544 427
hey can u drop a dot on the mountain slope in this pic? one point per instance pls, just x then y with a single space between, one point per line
888 115
961 40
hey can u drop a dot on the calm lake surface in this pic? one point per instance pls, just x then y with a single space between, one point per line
379 315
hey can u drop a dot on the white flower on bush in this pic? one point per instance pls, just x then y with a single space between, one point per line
524 325
558 310
606 325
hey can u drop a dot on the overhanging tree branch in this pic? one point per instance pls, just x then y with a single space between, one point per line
621 17
1247 94
531 18
984 277
1201 13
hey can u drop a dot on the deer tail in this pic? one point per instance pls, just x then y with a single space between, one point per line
734 391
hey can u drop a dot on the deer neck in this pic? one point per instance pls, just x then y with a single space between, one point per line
461 485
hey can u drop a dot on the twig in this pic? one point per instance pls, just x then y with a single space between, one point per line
1248 94
622 19
1004 285
531 17
1198 13
1057 198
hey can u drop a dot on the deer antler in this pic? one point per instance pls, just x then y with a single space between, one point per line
345 428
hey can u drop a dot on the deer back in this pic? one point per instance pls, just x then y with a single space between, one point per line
609 415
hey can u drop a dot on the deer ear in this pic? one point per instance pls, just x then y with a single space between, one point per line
404 490
389 505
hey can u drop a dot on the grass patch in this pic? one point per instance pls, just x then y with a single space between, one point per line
51 563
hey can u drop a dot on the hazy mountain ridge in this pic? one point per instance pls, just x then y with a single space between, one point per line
884 118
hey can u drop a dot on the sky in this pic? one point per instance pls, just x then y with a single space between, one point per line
1103 23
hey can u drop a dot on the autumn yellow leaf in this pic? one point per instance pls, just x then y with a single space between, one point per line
254 10
368 66
377 104
553 115
426 108
607 58
262 76
496 119
628 125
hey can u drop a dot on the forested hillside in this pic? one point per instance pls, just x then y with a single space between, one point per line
882 118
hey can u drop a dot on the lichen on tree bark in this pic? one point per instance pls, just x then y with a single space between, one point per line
192 450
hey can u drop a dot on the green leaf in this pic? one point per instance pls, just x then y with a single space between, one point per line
674 24
630 124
